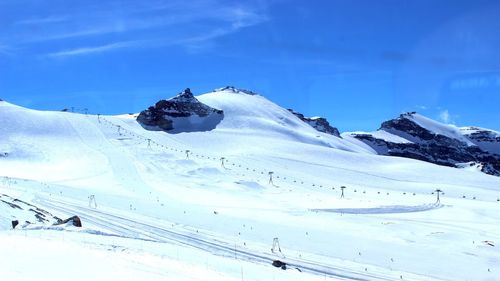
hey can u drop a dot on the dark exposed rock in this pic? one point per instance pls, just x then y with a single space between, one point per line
426 145
14 223
39 215
12 205
183 113
318 123
74 220
279 264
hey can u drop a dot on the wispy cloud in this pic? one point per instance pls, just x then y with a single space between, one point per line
193 24
194 44
445 117
196 30
93 50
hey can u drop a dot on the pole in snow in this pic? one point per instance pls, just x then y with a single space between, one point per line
149 143
342 189
222 159
92 201
271 178
438 191
276 245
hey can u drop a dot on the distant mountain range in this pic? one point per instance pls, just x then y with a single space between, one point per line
410 135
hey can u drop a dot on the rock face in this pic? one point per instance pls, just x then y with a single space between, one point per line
74 220
318 123
182 113
414 136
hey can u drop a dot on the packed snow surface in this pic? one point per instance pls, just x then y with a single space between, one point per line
208 205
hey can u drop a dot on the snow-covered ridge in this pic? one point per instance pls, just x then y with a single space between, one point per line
319 123
255 114
435 127
232 89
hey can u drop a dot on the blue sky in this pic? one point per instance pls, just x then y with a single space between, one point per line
356 62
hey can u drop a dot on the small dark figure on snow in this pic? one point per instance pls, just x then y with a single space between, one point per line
278 263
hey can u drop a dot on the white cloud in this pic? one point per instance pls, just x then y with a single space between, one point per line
445 117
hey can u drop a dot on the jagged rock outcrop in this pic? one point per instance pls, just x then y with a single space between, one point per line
74 220
182 113
417 137
318 123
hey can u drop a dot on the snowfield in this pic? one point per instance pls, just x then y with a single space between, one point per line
204 206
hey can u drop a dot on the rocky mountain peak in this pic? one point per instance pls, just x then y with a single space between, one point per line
318 123
184 96
415 136
182 113
405 124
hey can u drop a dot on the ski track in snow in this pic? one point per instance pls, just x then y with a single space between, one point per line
383 209
138 230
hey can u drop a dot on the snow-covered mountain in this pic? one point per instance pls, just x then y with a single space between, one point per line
208 204
412 135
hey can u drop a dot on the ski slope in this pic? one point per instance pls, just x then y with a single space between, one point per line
211 213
